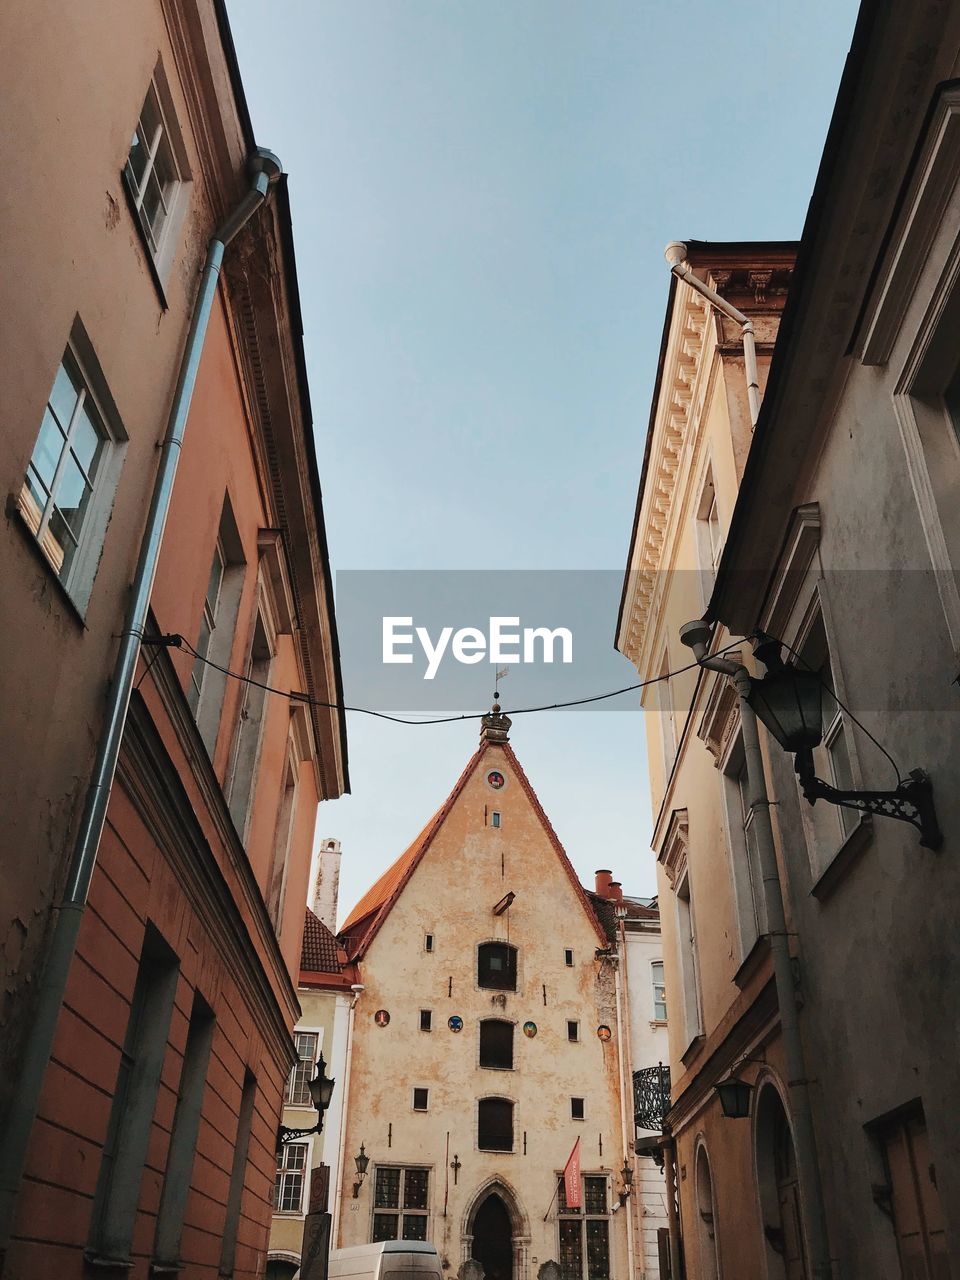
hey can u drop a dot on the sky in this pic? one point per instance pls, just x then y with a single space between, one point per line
481 194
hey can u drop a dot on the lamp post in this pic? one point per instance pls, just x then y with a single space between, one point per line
696 636
362 1161
321 1091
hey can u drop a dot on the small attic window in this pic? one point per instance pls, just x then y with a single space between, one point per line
568 958
428 942
495 818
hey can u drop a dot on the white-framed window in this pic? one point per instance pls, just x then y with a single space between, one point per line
400 1203
291 1177
583 1235
577 1108
495 819
568 957
426 1019
72 475
709 533
428 942
659 991
216 628
573 1030
689 961
283 838
245 763
307 1045
156 172
421 1099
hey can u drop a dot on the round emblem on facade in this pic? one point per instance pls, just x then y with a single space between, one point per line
529 1030
381 1017
495 779
455 1023
604 1032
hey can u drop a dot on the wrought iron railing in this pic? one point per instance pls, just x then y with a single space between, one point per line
651 1097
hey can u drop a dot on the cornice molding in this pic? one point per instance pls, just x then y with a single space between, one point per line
721 715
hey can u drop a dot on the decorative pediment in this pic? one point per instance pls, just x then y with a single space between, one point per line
721 715
799 548
673 853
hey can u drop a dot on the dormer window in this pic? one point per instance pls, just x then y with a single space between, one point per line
497 966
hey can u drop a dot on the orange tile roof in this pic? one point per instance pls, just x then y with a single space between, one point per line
364 921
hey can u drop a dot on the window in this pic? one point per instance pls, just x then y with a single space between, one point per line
428 942
238 1170
283 836
399 1216
156 171
66 495
668 727
912 1195
689 962
573 1030
134 1100
568 958
426 1020
709 536
584 1240
659 992
183 1138
744 851
420 1099
497 966
246 751
291 1173
495 819
495 1124
298 1092
496 1044
576 1108
217 626
827 825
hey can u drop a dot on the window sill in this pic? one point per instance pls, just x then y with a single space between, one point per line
165 1268
102 1263
752 961
692 1049
658 1022
843 861
488 1066
16 516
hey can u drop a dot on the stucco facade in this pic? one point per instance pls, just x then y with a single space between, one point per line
151 1143
718 977
487 869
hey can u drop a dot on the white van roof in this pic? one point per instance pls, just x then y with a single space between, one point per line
386 1246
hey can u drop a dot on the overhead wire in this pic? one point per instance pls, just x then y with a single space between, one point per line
175 641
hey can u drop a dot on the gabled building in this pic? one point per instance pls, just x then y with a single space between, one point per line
487 1044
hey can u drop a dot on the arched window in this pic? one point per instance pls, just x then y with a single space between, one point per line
497 966
709 1266
495 1124
496 1044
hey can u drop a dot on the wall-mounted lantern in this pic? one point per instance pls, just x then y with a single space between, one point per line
734 1097
362 1161
321 1092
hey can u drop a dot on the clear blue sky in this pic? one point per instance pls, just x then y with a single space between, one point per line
481 194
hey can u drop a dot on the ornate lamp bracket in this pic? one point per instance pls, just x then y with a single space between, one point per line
912 801
285 1134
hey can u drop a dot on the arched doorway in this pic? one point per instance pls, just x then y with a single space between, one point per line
493 1238
707 1219
779 1188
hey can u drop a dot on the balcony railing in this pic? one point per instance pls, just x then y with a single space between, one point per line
651 1097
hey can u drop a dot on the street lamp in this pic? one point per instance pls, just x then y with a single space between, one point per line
734 1097
321 1091
788 701
362 1161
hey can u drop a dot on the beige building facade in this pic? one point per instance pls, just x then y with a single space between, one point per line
487 1044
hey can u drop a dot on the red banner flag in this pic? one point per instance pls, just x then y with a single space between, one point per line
571 1178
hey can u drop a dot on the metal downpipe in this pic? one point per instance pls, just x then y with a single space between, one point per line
38 1046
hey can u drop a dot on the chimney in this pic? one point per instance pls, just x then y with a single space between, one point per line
603 881
615 891
327 884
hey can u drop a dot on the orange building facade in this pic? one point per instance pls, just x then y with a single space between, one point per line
152 1144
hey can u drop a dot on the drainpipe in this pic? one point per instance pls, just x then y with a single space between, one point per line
264 168
676 256
696 635
626 1090
357 989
